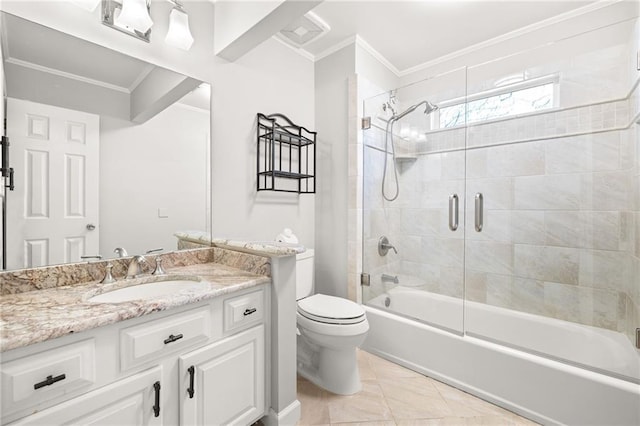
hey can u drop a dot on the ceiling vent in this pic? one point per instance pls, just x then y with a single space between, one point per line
304 30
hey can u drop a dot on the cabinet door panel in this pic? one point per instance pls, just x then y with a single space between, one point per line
126 402
228 381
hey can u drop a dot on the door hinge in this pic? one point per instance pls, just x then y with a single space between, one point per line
638 338
366 123
365 279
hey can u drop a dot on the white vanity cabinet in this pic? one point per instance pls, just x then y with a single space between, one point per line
138 372
224 383
129 401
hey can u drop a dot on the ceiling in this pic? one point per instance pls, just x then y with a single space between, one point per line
411 33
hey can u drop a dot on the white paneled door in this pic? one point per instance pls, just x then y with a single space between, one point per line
52 215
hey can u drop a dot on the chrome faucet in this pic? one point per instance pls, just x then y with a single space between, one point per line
384 246
390 278
135 268
121 252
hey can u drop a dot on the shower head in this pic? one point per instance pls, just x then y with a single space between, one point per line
429 108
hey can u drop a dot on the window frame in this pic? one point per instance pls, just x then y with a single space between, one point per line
515 87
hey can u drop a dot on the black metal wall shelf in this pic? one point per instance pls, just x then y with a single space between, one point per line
286 160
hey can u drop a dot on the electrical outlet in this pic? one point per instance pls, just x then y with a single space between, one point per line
163 212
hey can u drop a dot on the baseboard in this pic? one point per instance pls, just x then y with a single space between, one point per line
287 417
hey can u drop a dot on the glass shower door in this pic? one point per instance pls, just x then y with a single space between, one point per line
551 266
413 236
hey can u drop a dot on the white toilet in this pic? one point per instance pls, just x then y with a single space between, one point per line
329 330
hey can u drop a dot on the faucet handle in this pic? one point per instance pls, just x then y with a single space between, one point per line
154 250
159 269
92 256
121 252
108 277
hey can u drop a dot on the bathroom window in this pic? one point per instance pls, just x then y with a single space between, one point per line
500 103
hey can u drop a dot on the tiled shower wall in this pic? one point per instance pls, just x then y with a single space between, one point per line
560 226
562 229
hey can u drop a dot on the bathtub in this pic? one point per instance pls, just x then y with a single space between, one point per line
565 386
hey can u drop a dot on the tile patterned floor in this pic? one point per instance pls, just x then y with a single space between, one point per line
395 396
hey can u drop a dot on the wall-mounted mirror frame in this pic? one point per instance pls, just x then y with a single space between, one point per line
150 130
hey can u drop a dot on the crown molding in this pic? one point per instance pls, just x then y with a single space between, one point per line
511 35
377 55
338 46
30 65
462 52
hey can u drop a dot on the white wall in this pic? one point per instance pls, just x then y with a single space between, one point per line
338 249
374 71
331 105
161 164
269 79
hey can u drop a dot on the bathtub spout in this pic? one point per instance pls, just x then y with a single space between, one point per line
390 278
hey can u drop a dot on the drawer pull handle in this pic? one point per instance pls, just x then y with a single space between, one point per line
156 406
49 381
192 374
172 338
249 311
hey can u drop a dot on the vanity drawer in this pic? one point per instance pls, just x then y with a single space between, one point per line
29 381
245 310
155 339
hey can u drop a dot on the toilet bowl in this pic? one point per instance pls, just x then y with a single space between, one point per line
329 331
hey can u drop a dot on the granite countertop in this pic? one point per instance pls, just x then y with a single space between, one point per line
39 315
262 247
274 248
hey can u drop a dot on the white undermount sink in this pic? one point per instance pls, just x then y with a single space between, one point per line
149 290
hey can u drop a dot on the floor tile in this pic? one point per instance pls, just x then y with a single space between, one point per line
414 398
364 366
314 404
365 406
396 396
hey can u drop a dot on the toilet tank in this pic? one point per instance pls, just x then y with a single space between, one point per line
304 274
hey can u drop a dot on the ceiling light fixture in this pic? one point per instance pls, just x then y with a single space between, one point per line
135 14
179 34
128 16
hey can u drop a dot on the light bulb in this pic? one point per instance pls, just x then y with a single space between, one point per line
134 15
179 34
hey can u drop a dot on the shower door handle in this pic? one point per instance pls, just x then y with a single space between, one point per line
479 214
453 212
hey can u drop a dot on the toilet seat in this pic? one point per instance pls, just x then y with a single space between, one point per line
330 310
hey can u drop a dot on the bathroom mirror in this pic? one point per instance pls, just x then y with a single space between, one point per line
108 151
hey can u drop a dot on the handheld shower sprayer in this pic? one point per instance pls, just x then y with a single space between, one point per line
429 108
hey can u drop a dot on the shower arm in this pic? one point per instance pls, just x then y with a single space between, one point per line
429 109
